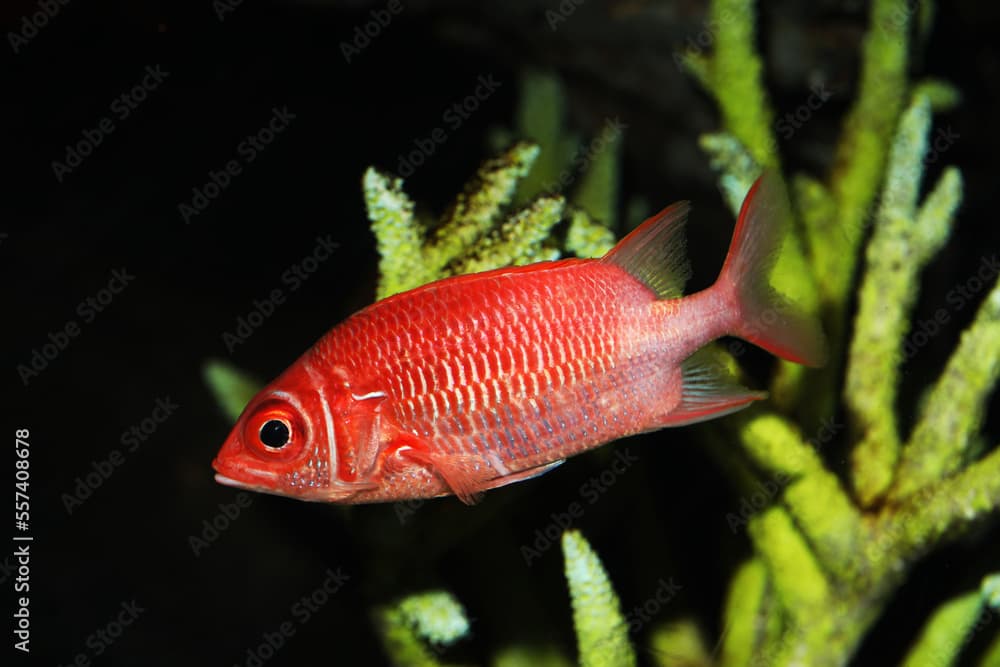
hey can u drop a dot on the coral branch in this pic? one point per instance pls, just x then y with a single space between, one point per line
733 75
797 576
399 238
777 446
680 643
736 166
902 243
541 119
991 658
814 496
744 616
943 636
597 192
937 510
864 144
523 655
406 627
519 240
587 238
601 631
952 413
476 210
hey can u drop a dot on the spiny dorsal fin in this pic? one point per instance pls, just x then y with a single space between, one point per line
654 254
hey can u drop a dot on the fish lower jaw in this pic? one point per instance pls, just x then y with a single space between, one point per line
228 481
246 486
337 492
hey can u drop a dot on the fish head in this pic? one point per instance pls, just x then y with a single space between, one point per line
282 441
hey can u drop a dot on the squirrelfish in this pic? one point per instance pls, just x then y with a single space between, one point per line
477 381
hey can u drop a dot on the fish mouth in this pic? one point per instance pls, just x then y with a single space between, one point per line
249 485
229 481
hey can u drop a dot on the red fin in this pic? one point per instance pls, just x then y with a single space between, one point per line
520 476
465 475
653 253
767 319
468 476
708 390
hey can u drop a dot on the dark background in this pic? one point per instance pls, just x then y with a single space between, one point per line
119 209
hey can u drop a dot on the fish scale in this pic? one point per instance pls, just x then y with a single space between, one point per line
478 381
422 352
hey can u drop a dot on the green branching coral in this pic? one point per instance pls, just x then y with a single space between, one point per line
953 626
825 563
601 631
479 232
413 255
415 629
904 240
733 74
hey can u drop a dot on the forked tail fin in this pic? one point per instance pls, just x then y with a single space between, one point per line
765 318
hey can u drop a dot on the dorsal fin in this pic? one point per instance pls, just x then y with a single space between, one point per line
653 252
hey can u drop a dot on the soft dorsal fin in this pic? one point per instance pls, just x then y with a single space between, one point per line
653 252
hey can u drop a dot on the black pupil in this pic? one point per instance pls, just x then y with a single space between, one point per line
274 433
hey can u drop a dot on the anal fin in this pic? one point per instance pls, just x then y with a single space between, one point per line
708 390
522 475
468 476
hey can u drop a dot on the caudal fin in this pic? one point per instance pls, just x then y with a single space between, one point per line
766 319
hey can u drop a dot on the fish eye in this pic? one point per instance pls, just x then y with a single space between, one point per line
275 430
275 433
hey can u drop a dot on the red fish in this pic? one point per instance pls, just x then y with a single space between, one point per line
477 381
